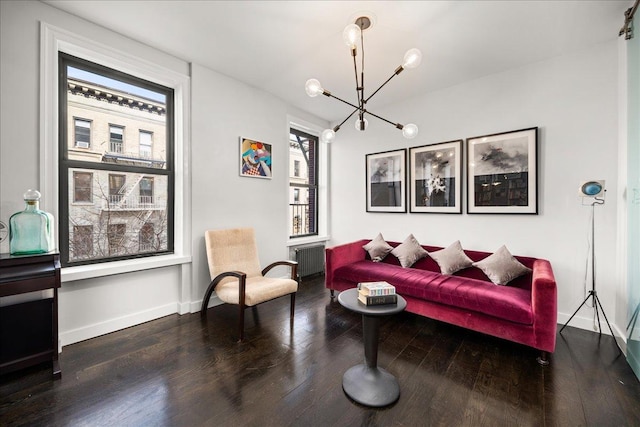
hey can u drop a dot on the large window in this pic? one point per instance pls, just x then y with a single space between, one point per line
132 191
303 184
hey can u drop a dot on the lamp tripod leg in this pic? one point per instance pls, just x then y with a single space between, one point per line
608 324
577 309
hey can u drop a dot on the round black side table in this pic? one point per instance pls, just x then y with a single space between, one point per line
368 384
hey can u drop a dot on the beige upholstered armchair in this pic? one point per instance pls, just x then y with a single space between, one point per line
236 276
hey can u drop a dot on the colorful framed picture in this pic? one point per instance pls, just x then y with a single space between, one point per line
502 173
255 159
435 177
386 181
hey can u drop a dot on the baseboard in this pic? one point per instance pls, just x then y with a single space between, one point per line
586 323
195 306
116 324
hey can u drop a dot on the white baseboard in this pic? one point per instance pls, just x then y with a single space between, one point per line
587 324
116 324
195 306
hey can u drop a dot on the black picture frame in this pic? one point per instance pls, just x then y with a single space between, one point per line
435 178
502 173
386 177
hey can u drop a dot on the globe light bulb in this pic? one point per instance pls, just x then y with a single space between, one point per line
412 58
410 131
313 88
328 135
351 34
357 124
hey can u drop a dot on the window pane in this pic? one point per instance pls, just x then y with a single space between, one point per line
82 241
82 129
98 99
82 187
123 203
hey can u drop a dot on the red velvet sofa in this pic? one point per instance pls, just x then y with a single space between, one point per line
524 311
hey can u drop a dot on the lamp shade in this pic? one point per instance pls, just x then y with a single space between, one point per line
313 87
328 135
351 34
591 188
412 58
409 131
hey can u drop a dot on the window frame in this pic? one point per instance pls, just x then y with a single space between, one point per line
314 184
89 122
75 187
65 164
111 141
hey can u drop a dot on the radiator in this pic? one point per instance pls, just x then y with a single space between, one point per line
310 260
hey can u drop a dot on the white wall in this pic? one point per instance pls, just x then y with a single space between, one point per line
573 101
223 111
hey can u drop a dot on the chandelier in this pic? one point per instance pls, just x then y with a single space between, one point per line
351 34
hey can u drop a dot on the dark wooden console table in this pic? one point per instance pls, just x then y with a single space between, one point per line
29 330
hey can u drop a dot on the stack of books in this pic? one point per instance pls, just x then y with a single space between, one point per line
377 293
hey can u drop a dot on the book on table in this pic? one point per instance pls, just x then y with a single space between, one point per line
376 288
378 299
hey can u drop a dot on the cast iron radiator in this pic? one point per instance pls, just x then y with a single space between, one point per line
310 260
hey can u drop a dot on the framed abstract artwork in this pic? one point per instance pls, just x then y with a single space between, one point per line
255 159
502 173
435 178
386 181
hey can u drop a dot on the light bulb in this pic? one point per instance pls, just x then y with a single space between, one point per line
328 135
409 131
412 58
357 124
351 34
313 88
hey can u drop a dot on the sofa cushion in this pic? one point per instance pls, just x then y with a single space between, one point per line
509 303
452 258
409 251
377 248
501 267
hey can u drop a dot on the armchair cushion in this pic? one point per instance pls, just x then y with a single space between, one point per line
258 289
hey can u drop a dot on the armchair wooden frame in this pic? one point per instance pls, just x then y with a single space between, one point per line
242 278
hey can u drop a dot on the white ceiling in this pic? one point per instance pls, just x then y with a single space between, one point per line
278 45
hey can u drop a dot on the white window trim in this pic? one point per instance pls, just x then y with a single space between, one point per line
323 181
54 40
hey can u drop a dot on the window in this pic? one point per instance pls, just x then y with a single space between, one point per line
116 139
146 237
146 191
82 242
146 140
82 131
82 182
132 195
303 205
116 188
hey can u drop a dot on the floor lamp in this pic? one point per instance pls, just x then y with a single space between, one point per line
594 192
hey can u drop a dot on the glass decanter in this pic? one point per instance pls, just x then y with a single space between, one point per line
30 230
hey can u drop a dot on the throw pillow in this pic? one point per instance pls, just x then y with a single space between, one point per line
409 251
501 267
378 248
452 258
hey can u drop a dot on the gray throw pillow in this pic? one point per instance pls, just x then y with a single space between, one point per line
378 248
452 258
409 251
501 267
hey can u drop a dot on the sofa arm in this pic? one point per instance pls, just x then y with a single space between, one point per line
337 256
544 303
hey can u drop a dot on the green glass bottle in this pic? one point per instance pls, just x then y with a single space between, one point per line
30 230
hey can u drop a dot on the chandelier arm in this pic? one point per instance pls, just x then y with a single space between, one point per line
395 73
330 95
348 117
355 72
397 125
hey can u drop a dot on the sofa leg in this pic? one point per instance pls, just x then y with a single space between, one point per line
333 294
543 359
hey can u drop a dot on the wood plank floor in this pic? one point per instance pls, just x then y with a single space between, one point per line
179 371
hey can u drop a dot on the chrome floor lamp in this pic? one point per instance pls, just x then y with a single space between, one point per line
593 191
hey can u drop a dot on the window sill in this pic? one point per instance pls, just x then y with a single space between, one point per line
307 240
70 274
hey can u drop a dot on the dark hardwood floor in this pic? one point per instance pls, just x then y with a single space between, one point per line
179 371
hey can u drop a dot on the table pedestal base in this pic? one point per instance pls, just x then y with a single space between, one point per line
370 386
